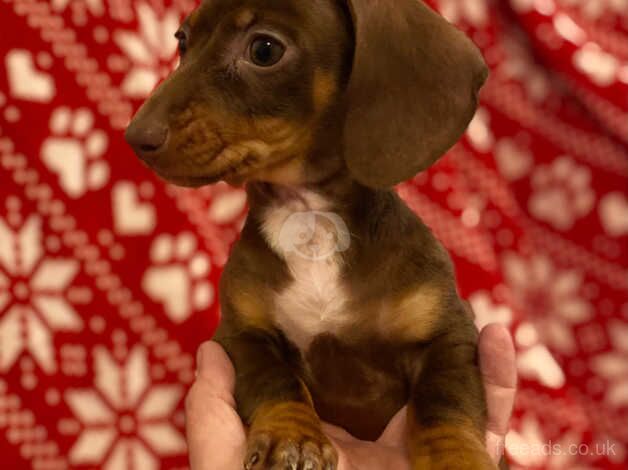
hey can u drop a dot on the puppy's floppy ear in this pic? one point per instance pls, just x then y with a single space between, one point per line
412 91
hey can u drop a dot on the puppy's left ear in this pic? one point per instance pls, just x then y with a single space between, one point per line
412 91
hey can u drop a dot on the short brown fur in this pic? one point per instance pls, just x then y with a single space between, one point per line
366 94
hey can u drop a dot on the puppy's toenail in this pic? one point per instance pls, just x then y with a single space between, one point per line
253 459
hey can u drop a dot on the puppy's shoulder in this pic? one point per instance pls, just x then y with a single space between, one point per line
251 276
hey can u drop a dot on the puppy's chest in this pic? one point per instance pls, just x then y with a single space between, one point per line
315 300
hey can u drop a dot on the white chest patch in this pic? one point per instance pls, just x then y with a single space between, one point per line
309 238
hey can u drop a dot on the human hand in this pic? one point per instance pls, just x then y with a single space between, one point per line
217 437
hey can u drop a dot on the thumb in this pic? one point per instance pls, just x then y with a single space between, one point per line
215 372
499 373
395 432
215 434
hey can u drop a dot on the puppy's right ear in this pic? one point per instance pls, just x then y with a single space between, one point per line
412 91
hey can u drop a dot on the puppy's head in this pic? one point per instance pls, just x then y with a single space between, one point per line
288 91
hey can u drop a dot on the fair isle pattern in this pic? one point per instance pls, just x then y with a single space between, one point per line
108 277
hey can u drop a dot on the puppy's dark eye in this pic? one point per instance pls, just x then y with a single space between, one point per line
183 41
266 51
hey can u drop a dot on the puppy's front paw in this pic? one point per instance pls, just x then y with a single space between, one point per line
449 447
288 436
269 451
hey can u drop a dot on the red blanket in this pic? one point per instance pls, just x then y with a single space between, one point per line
108 276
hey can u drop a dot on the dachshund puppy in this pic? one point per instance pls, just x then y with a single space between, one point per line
337 302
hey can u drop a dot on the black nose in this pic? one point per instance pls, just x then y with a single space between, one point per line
146 138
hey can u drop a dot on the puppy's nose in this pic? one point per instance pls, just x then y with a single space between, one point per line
146 139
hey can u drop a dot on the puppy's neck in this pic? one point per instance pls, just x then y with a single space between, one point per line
336 190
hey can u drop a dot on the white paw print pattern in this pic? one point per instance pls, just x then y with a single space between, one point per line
74 151
473 12
514 161
178 277
561 193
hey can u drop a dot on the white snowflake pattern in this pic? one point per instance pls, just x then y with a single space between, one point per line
126 420
80 8
487 311
33 288
561 193
151 50
528 446
549 296
536 362
613 365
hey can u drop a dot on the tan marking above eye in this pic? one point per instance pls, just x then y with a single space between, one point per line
193 18
244 18
324 87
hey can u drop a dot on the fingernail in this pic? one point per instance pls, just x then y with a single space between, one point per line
199 358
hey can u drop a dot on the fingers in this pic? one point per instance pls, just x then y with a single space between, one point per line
337 433
216 437
392 436
395 432
215 434
362 455
214 368
499 373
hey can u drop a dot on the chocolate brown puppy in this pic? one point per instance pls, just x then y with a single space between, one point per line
337 301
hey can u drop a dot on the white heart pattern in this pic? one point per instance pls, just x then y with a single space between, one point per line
130 215
25 81
614 214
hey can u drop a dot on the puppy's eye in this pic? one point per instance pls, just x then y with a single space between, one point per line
182 37
266 51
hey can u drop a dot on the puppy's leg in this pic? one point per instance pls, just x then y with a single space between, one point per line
447 412
284 430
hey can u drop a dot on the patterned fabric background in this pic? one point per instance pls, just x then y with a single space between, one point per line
108 276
